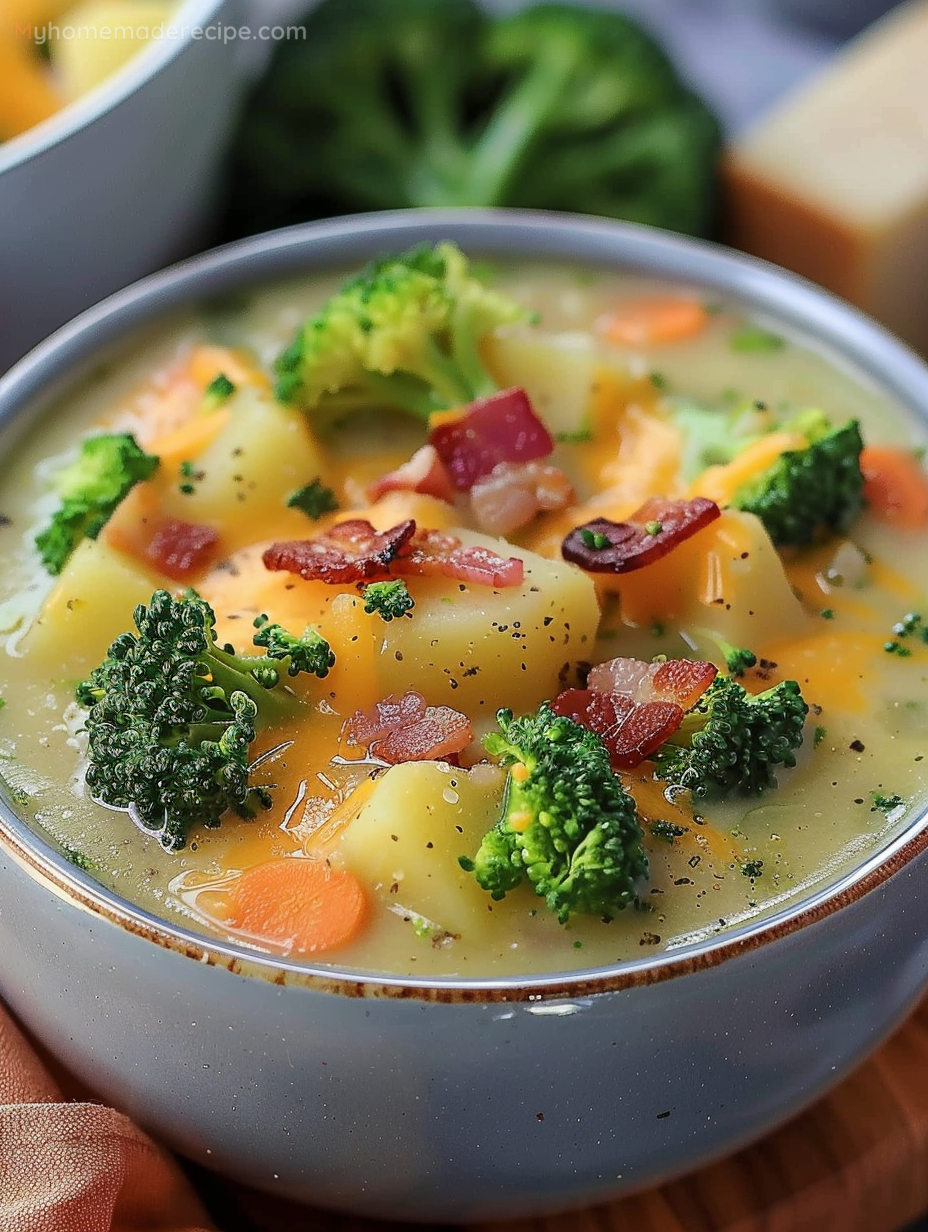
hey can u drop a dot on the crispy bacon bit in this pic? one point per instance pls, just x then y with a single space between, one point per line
366 726
651 532
630 730
424 472
432 553
514 492
351 551
501 428
178 548
636 706
404 728
677 680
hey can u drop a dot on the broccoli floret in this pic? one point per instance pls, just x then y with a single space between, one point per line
310 653
389 600
738 659
731 740
808 491
804 492
171 718
557 107
90 488
315 500
404 334
567 825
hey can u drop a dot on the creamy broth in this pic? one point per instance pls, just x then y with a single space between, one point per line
731 860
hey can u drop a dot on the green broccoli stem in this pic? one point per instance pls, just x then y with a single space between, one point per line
232 673
493 161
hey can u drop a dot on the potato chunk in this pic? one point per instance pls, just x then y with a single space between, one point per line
477 648
243 477
90 604
406 840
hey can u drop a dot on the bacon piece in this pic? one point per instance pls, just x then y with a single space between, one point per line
501 428
353 551
630 730
677 680
424 472
432 553
650 533
514 492
404 728
178 548
350 551
365 726
441 732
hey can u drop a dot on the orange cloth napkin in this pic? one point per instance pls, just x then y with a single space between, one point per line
77 1166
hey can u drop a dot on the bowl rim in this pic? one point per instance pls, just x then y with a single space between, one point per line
128 79
843 332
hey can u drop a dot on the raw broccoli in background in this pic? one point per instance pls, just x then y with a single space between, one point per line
435 103
568 826
106 469
732 740
402 334
172 716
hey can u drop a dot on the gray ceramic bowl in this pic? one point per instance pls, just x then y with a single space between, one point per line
119 182
448 1099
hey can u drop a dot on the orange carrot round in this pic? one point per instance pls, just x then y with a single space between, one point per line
297 903
653 321
896 485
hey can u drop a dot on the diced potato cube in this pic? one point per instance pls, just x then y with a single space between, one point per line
477 648
90 604
244 476
406 840
559 372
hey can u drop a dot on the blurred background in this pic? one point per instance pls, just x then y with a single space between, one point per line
135 132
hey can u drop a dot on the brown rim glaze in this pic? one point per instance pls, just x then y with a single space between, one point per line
823 320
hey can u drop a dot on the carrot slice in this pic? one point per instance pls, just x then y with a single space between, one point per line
896 487
653 321
302 905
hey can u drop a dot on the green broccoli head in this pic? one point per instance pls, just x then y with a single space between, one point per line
171 718
813 490
567 825
90 488
732 740
558 107
404 334
390 600
310 653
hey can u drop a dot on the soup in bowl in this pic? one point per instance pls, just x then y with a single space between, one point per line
464 672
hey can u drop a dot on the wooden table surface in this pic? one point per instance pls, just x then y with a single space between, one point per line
855 1162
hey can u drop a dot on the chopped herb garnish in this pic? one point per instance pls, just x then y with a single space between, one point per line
827 613
577 437
219 389
753 340
886 804
594 539
897 649
654 528
658 380
667 830
315 500
752 869
819 735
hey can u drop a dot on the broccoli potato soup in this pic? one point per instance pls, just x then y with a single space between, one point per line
449 618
